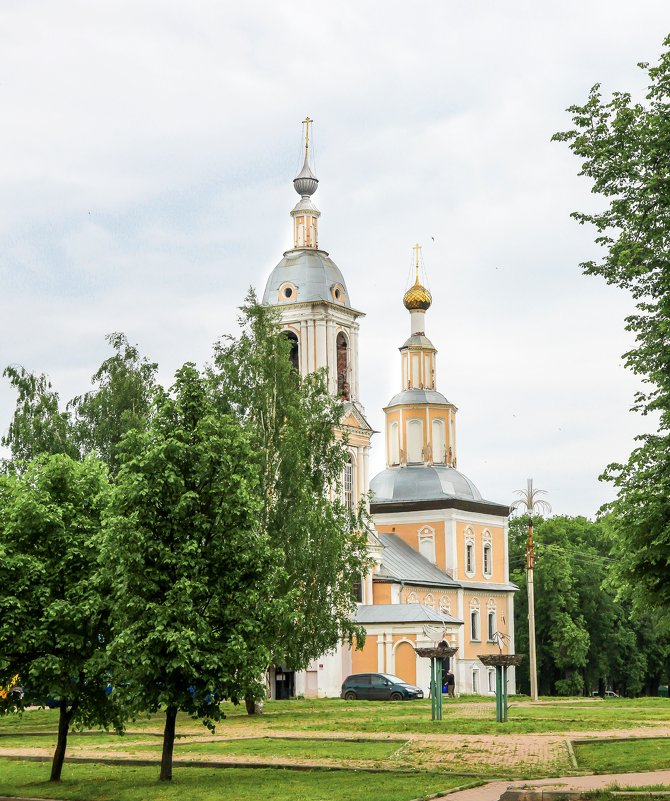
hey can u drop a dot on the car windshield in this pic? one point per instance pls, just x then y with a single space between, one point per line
394 679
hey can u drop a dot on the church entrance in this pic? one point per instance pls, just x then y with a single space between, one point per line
284 684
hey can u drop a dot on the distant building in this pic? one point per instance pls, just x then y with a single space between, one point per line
440 550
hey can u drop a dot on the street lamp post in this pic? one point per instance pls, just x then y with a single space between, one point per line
532 505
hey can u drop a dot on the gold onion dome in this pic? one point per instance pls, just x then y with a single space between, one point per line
417 297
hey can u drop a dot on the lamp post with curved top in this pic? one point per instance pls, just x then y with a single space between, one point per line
531 504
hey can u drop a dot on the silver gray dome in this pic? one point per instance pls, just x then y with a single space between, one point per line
305 182
422 483
314 274
423 396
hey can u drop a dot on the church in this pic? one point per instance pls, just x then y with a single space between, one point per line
439 549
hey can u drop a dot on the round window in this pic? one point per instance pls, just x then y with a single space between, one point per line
337 294
288 292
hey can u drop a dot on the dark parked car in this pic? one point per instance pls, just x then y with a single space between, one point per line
378 687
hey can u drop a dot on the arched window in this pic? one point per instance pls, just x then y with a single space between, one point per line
487 565
470 565
342 366
475 631
429 601
427 543
348 485
295 350
475 681
414 441
439 443
394 444
491 625
492 680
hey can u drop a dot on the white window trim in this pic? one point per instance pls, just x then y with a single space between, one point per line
470 540
490 635
487 543
474 610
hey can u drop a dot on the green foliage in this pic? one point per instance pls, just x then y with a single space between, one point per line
624 149
53 617
590 634
38 425
190 568
121 401
321 545
93 423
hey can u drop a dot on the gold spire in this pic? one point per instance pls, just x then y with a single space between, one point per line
307 122
417 297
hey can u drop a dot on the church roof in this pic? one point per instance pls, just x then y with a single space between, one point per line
421 483
402 613
418 396
312 272
401 562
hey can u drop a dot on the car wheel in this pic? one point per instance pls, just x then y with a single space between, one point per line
350 696
396 697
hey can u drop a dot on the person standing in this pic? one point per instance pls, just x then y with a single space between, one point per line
451 685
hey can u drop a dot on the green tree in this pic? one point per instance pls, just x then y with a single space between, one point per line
94 422
124 385
190 567
624 148
38 425
300 454
53 612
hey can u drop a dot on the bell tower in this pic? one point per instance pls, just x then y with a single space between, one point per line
316 313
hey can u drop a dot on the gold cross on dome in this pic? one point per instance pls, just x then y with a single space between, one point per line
307 122
417 249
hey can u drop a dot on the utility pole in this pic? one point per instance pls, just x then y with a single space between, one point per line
533 505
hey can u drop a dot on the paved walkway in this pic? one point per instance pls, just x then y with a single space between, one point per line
493 790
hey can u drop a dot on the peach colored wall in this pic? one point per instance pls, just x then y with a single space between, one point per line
409 533
405 662
365 661
474 648
498 547
381 593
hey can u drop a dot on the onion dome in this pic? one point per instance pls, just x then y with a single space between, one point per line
417 298
305 182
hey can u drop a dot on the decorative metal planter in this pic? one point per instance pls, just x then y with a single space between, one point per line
436 655
501 662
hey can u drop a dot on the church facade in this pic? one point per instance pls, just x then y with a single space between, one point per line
440 561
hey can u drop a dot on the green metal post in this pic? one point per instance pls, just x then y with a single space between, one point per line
504 683
499 714
438 687
433 709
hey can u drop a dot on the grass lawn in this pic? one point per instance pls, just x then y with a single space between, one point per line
626 756
473 715
129 783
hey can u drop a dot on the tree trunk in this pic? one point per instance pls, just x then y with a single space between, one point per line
59 754
168 744
254 706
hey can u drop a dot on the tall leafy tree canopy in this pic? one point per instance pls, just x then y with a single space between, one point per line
191 569
590 634
321 544
53 611
625 151
94 422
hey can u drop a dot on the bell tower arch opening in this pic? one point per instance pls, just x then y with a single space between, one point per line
342 345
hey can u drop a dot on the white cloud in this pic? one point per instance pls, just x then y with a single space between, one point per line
146 157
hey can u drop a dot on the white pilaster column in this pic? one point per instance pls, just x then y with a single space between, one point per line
360 473
369 591
321 356
331 356
389 652
353 378
366 470
380 652
304 364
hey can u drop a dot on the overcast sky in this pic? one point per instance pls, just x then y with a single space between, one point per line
147 152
